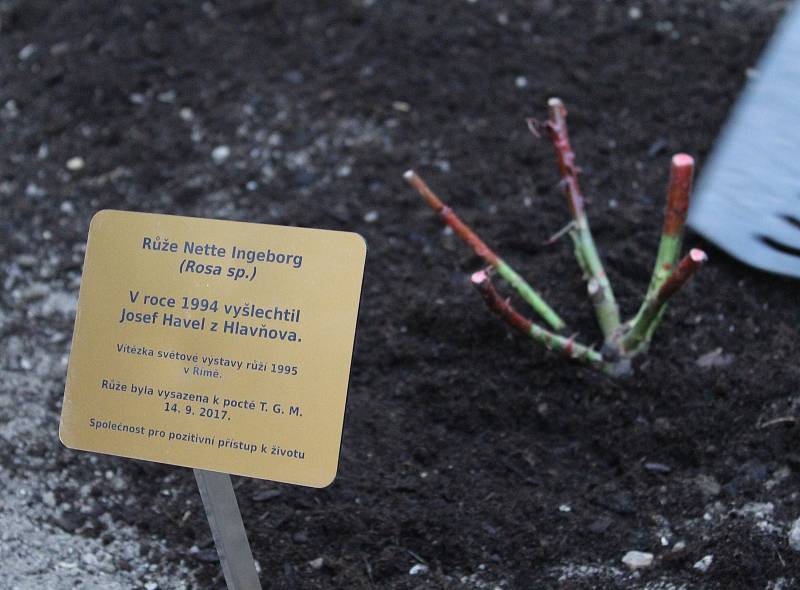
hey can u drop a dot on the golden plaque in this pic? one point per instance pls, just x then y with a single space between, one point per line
216 345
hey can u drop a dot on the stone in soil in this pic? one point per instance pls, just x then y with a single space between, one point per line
794 535
636 560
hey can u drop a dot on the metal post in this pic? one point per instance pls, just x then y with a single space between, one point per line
227 528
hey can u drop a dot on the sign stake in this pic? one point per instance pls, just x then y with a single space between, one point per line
227 528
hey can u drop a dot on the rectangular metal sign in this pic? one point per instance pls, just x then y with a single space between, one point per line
216 345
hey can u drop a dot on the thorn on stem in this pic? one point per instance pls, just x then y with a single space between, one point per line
559 234
569 345
535 126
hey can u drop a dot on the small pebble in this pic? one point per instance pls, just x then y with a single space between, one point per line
371 216
32 292
715 359
637 559
34 191
521 82
10 109
220 154
316 563
794 535
27 52
657 467
705 563
151 586
67 565
266 495
49 499
75 164
168 96
209 555
634 13
418 569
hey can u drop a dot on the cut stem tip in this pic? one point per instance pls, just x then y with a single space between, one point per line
688 265
424 190
698 256
564 345
678 193
479 277
682 161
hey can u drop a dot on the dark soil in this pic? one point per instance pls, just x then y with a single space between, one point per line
471 450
